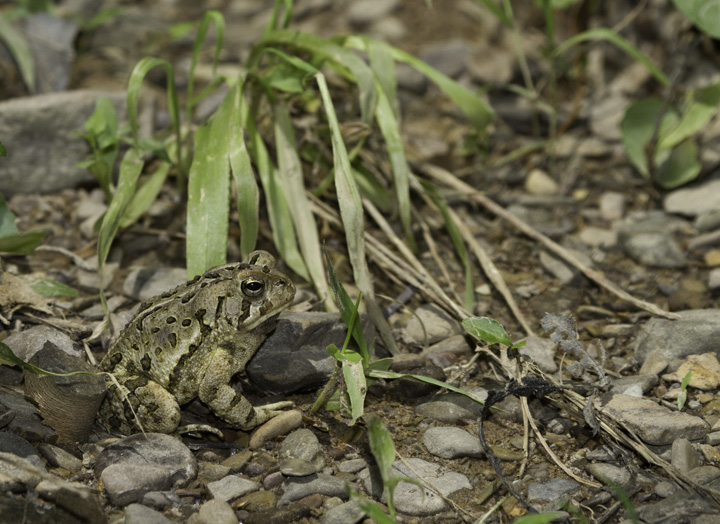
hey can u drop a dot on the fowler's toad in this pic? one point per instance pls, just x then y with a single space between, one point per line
190 341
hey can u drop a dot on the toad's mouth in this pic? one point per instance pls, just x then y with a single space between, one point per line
266 325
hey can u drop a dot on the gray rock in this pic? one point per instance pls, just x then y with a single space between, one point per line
696 332
452 442
11 443
19 474
151 449
551 490
26 343
451 407
58 457
127 483
210 471
714 279
296 488
684 456
541 351
139 514
304 445
77 499
295 357
432 321
216 512
612 205
694 201
410 498
449 57
606 115
681 506
598 237
609 474
363 12
38 132
352 465
643 383
144 283
232 487
538 182
707 221
160 499
646 238
654 364
654 424
294 467
51 40
556 268
346 513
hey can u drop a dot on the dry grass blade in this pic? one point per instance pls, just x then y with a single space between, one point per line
492 272
448 179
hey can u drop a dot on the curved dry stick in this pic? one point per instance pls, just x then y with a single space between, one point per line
448 179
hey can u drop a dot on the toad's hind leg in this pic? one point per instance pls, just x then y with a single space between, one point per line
154 409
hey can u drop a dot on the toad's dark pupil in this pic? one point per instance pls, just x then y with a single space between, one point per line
253 287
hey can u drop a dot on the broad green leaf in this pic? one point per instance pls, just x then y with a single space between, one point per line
701 107
7 219
681 167
354 376
477 111
487 329
145 195
290 176
209 190
381 364
21 244
638 127
379 373
539 518
703 13
605 34
20 50
47 287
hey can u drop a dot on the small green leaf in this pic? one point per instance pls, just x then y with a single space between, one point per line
22 244
381 446
681 166
3 151
637 129
701 107
354 376
47 287
705 14
487 329
7 219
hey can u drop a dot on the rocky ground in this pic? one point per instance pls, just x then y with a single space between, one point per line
662 247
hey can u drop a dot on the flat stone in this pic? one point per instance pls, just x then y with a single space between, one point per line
231 487
452 442
216 512
694 201
541 351
551 490
302 444
654 424
296 488
695 332
538 182
127 483
683 455
139 514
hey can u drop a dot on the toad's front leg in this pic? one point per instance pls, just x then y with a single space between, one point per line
227 403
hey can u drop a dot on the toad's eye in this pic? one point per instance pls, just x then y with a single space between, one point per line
253 287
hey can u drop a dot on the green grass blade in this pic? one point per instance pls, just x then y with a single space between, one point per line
351 213
383 65
378 373
478 112
281 222
390 128
207 19
3 151
130 169
20 50
137 76
247 191
8 358
145 195
48 287
291 177
497 11
342 60
457 241
605 34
